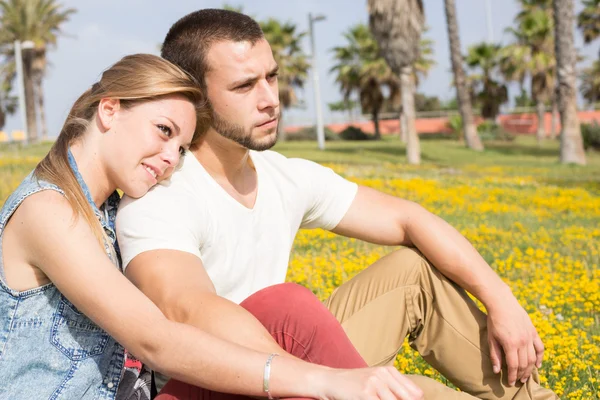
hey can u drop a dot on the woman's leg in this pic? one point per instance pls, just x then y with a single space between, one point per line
301 325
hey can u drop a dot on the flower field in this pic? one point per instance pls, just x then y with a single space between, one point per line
536 223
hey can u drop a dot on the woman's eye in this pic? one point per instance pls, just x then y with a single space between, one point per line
181 151
165 129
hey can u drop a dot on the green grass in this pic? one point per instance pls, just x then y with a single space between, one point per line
439 156
523 152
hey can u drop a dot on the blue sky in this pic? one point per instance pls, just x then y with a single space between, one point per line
102 32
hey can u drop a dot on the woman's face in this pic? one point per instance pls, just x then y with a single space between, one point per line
145 142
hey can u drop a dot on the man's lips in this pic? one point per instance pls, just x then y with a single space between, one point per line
271 121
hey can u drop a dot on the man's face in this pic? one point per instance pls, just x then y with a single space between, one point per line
242 89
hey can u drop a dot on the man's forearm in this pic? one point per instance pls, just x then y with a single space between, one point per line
223 319
455 257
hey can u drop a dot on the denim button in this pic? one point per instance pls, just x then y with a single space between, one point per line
111 385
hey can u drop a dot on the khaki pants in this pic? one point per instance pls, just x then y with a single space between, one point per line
403 295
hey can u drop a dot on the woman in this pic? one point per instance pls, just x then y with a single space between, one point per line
66 310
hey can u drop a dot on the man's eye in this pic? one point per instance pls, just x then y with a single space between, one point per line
273 76
165 129
245 86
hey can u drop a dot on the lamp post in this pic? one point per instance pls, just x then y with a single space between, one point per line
315 72
488 18
18 46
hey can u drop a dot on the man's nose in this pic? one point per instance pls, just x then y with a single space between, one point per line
269 95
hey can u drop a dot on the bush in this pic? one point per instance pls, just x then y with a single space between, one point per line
455 125
489 130
354 133
310 133
591 135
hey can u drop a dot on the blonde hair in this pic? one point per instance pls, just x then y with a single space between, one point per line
133 80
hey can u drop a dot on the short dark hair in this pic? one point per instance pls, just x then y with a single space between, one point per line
189 39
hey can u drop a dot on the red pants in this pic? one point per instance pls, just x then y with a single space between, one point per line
301 325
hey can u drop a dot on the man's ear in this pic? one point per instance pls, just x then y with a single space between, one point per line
107 108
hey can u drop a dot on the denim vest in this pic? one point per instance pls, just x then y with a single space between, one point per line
48 349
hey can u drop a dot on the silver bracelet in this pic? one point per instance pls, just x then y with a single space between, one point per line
267 375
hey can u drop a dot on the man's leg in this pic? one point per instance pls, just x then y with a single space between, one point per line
402 294
301 325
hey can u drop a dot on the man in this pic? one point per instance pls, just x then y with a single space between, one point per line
222 228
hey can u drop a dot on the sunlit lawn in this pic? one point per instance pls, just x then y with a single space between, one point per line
535 221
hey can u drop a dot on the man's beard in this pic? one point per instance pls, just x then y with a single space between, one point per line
242 136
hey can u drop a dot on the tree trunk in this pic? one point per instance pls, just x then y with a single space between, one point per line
375 116
28 78
472 139
403 128
39 96
571 142
281 135
541 126
2 117
413 147
555 119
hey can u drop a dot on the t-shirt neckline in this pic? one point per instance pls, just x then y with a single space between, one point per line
223 192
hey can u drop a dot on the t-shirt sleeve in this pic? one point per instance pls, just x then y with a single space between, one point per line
162 219
328 195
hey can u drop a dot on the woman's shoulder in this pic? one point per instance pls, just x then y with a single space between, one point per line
44 205
30 189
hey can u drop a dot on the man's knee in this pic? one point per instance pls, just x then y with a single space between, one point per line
408 256
403 263
284 299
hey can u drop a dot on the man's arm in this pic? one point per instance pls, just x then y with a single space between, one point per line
178 284
84 275
383 219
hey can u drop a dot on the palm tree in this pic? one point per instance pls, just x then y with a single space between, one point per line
360 69
589 21
532 54
426 59
489 92
292 62
421 67
8 103
38 21
462 92
571 142
514 65
397 27
590 83
230 7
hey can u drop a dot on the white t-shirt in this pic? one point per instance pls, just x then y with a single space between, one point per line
243 250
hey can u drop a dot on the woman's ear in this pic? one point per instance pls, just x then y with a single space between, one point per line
107 108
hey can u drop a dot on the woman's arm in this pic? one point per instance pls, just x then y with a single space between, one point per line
69 254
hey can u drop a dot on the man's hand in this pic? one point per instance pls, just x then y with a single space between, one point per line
383 219
511 331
